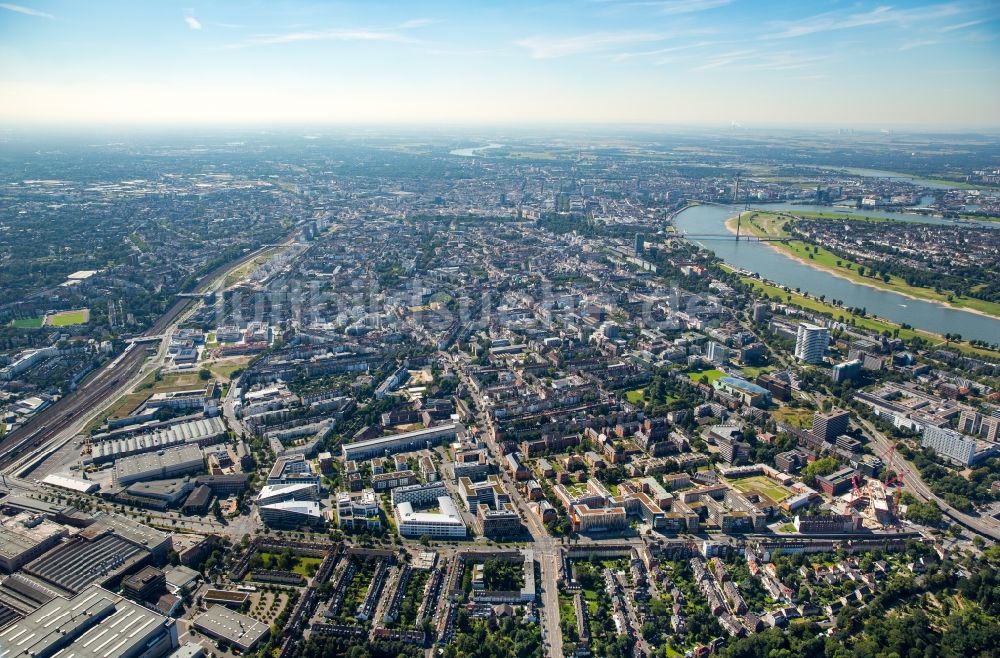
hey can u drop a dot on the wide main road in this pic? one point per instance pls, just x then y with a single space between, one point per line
984 525
94 391
545 547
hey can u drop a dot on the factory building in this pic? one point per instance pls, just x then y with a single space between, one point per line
24 537
201 432
240 631
159 465
93 624
96 556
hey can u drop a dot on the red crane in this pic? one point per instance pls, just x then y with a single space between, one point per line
896 479
855 491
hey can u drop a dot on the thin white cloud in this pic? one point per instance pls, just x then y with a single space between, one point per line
415 23
322 35
883 15
960 26
541 47
656 52
393 34
27 11
192 22
723 59
752 60
672 7
919 43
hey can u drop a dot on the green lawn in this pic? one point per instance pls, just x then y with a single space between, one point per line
127 404
841 215
225 371
712 375
750 373
27 323
69 318
762 485
302 565
796 416
172 381
238 274
636 396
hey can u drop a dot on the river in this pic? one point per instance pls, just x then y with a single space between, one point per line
893 176
785 206
473 151
779 268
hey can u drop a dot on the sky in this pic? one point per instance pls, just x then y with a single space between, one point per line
704 62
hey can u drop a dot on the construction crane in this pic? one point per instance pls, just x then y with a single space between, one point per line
897 476
855 493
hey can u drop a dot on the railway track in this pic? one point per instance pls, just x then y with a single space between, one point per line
93 392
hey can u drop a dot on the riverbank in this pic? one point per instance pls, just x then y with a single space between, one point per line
840 314
826 261
857 216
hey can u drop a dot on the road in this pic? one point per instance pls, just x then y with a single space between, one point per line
546 548
229 410
985 526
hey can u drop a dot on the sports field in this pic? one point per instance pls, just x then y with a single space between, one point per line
762 485
27 323
68 318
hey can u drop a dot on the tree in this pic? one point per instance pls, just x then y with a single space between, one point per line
823 466
924 513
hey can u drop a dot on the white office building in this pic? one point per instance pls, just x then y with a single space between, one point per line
957 447
292 514
358 511
446 523
717 352
418 494
279 493
811 342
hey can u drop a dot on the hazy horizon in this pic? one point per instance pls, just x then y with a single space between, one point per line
653 63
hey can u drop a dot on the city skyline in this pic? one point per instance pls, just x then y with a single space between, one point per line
705 62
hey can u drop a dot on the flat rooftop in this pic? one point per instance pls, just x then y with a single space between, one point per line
92 624
79 563
221 622
21 533
405 436
153 462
